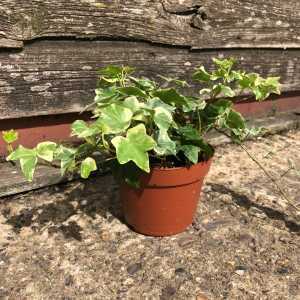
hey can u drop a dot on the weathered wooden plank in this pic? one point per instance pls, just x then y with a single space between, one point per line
13 182
53 77
197 24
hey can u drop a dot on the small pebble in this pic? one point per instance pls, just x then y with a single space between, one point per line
185 241
68 280
132 269
167 292
179 271
240 272
201 296
282 270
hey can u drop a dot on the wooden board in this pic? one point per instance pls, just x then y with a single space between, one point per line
13 182
58 76
200 24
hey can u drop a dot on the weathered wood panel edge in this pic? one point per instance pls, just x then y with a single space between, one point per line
198 24
58 76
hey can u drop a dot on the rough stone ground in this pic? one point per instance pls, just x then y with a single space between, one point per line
69 242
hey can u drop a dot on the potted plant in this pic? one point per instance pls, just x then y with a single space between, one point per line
153 139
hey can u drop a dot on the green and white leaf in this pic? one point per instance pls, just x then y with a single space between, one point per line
113 71
201 75
132 103
156 102
9 136
132 91
134 147
235 120
191 152
83 130
46 150
104 95
193 104
162 118
28 160
224 90
115 118
164 145
144 83
189 133
67 158
87 166
170 96
170 80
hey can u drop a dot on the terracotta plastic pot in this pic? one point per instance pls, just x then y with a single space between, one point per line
167 200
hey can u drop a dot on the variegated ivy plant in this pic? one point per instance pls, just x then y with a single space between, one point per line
138 123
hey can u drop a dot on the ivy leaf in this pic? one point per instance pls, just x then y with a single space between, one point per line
205 91
235 120
201 75
67 158
193 104
115 118
85 149
170 96
106 94
144 83
83 130
128 172
162 118
169 80
154 103
87 166
191 152
225 90
220 107
189 133
115 71
164 146
132 91
264 87
28 160
225 64
134 147
9 136
46 150
248 80
132 103
216 113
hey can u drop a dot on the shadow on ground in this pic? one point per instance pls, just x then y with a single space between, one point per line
83 199
91 199
244 201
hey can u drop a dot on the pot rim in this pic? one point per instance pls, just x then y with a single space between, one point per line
184 167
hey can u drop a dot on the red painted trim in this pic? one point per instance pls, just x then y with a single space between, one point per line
250 109
35 129
57 128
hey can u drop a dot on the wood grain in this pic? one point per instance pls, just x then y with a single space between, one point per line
53 77
199 24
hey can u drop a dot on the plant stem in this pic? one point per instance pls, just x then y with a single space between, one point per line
199 121
279 188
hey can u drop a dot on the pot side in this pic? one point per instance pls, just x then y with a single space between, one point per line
166 202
